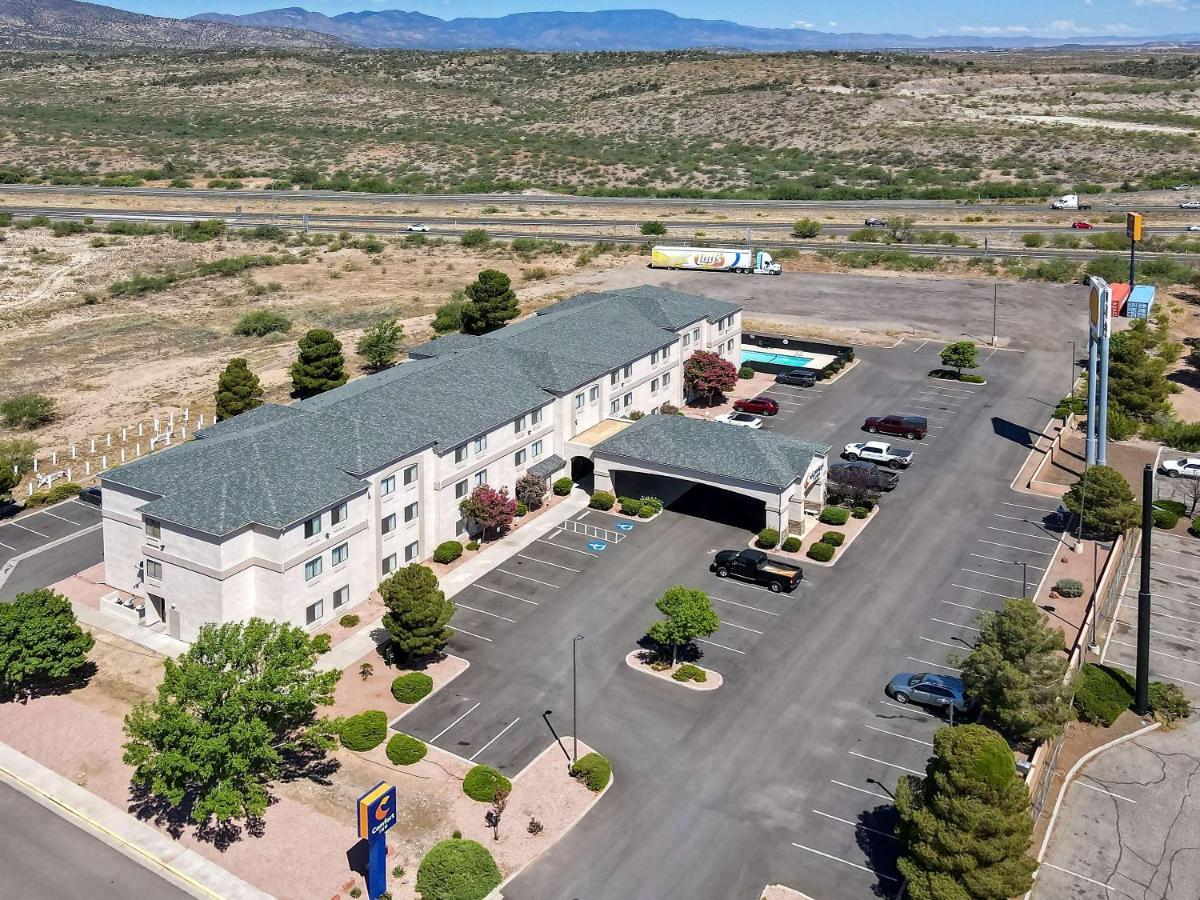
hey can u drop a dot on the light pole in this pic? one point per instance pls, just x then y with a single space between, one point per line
995 298
574 701
1024 578
1071 384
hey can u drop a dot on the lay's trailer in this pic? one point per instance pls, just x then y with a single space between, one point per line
715 259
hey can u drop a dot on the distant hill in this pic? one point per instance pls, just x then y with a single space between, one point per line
625 29
67 24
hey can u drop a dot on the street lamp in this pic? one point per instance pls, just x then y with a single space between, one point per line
1024 578
1071 384
574 701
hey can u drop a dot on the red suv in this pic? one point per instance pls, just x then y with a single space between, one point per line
760 406
911 427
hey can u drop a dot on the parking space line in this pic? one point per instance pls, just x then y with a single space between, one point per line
922 347
1169 566
46 512
1019 519
755 587
1023 506
1184 659
1032 537
24 528
742 627
8 547
1103 790
565 547
458 630
456 721
902 737
1014 547
1132 589
1154 632
942 643
861 790
980 591
955 624
856 825
926 662
1158 549
844 861
527 578
961 605
990 575
493 740
743 605
484 612
503 594
722 646
910 708
1083 877
948 399
1173 583
939 408
883 763
545 563
1176 618
1006 561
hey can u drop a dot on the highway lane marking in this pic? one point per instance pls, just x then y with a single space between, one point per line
484 612
884 763
961 605
926 662
458 630
742 627
980 591
844 861
1103 790
722 646
565 547
1006 561
910 708
25 528
861 790
46 512
857 825
954 624
941 643
503 594
1014 547
743 605
493 740
547 563
527 578
990 575
1183 659
456 721
902 737
1032 537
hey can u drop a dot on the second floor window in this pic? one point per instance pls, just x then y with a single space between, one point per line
154 569
481 477
535 449
410 512
312 569
579 401
654 385
593 393
460 489
519 457
614 407
389 524
628 400
340 554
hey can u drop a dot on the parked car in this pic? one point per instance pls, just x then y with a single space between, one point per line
745 420
416 226
763 406
90 495
912 427
1181 468
875 223
754 565
880 452
863 474
798 377
928 689
1190 204
1081 225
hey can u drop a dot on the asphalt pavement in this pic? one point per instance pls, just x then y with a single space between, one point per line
41 547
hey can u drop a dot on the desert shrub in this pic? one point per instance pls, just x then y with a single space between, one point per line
1168 703
1068 587
475 237
404 750
593 770
62 491
28 411
670 409
472 546
860 512
792 544
1174 506
322 643
1102 693
447 552
412 687
1033 239
630 506
262 322
834 515
1164 518
562 486
364 731
349 620
636 415
833 538
653 228
457 869
767 538
820 552
689 672
602 500
482 782
745 373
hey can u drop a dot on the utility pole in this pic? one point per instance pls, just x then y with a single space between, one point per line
1141 703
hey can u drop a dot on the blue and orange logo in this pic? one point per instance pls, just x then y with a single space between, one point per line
376 810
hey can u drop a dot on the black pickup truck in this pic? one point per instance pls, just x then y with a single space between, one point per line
756 566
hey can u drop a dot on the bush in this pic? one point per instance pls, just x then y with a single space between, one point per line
322 643
41 498
62 491
472 546
1174 506
522 509
1102 693
630 506
475 237
860 512
645 512
457 869
28 411
652 503
563 486
482 782
833 538
364 731
820 552
412 687
745 373
834 515
262 322
806 228
403 750
653 227
602 500
792 544
349 620
1195 529
1168 702
1068 587
1164 518
689 672
767 538
447 552
594 770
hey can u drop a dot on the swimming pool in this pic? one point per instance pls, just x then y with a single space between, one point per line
779 358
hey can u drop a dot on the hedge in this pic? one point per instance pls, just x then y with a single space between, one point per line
1068 587
820 552
745 373
412 687
652 503
593 770
689 672
792 545
630 506
322 643
364 731
482 782
860 512
1164 518
457 869
56 494
646 512
602 500
563 486
1174 506
834 515
404 750
447 552
1102 694
833 538
767 538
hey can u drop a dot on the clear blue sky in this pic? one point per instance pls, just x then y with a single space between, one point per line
1054 18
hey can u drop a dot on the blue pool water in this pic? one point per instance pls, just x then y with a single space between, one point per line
779 359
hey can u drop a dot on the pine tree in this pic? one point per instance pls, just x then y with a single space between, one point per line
320 366
966 827
1103 498
380 344
417 611
493 302
238 390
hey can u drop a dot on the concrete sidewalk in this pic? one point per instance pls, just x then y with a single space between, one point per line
374 634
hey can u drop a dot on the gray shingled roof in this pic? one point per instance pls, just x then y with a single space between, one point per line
276 465
714 448
547 466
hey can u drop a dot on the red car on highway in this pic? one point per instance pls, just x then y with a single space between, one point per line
760 406
1081 225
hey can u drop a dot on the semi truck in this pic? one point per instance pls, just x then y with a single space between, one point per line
1069 201
715 259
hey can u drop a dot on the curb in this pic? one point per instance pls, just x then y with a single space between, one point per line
634 663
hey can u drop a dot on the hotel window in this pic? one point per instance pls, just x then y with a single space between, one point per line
338 514
614 407
519 425
410 474
388 485
341 596
314 612
519 457
460 527
410 512
654 385
412 551
481 477
593 393
340 554
481 443
460 489
312 569
628 371
666 352
389 524
666 378
729 347
312 527
535 449
627 400
460 454
153 529
687 340
154 569
579 400
614 377
536 417
389 564
654 358
695 335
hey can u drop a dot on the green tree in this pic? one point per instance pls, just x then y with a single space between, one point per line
380 344
417 611
493 302
1103 498
653 228
8 480
40 641
900 229
959 355
965 828
28 411
806 228
689 615
238 390
1016 672
448 316
1137 381
320 366
235 712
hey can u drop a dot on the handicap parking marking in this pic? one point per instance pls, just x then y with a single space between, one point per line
625 526
597 545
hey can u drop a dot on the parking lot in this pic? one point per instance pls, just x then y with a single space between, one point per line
71 530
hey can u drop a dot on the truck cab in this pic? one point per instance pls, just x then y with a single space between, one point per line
754 565
1069 201
765 265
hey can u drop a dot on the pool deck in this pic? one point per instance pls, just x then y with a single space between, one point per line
811 360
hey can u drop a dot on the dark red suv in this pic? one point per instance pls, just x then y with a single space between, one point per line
760 406
911 427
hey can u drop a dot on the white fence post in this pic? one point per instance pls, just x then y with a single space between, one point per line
53 457
68 473
72 451
137 450
108 439
103 463
187 414
123 430
87 467
122 454
140 429
93 450
35 464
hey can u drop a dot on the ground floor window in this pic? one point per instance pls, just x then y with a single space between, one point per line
314 612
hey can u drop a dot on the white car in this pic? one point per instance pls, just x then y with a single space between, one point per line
1182 187
1194 228
416 226
879 452
1190 204
739 418
1181 468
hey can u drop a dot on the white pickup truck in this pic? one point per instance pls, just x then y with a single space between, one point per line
879 452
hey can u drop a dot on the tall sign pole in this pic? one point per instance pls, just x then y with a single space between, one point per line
1102 387
1141 703
376 814
1093 350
